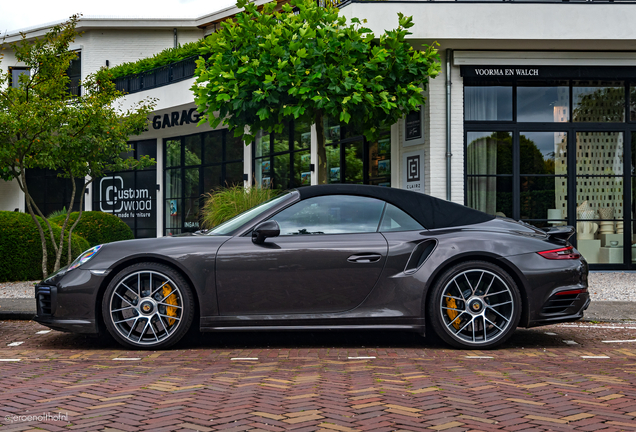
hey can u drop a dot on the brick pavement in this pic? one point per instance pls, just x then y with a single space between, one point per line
307 382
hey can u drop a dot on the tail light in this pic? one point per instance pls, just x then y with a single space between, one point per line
561 253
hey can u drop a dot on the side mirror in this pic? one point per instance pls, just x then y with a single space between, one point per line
265 229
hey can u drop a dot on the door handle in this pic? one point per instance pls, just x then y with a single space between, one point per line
365 258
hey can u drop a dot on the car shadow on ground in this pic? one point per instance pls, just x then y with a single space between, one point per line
522 338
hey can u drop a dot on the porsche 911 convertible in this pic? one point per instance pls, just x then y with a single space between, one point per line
330 257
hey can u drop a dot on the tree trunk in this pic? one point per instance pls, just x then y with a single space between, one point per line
32 207
79 216
58 252
321 169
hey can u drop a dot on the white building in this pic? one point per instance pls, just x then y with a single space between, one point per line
531 118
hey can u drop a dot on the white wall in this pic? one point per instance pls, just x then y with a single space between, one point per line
125 45
11 197
506 21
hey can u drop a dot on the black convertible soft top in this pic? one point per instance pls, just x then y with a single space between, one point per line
429 211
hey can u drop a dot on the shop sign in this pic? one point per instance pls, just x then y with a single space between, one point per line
413 175
414 128
125 201
496 72
175 118
506 72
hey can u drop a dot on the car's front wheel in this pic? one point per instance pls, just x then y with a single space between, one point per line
475 305
148 305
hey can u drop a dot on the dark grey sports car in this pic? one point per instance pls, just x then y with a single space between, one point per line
327 258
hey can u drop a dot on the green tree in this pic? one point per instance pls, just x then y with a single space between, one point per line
43 125
270 66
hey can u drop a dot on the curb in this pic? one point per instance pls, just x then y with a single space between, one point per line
17 309
24 316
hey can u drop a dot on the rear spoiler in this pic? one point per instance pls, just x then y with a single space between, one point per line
560 232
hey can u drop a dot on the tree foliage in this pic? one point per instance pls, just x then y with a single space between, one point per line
43 125
269 66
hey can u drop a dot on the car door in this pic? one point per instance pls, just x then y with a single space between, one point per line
327 258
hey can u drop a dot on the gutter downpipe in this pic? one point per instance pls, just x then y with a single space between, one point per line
449 54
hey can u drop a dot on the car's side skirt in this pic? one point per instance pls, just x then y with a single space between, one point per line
412 328
299 324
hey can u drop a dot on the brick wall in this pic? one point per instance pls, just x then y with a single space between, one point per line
436 137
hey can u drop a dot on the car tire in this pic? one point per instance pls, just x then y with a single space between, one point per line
474 305
148 306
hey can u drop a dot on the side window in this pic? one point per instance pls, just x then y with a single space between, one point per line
334 214
396 220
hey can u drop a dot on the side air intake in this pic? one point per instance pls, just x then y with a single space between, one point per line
419 255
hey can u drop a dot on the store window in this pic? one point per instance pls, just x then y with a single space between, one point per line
489 172
282 160
558 158
51 192
598 101
131 195
488 102
195 165
351 158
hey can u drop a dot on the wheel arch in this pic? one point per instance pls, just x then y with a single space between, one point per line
506 265
136 260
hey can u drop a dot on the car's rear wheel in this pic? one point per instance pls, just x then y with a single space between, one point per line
148 305
475 305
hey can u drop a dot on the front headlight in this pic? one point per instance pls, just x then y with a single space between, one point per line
84 257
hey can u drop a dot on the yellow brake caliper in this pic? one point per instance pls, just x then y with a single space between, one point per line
452 314
172 299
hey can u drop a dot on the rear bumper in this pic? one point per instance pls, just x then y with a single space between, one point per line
544 282
571 312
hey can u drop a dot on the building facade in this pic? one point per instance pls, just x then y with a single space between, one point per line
533 117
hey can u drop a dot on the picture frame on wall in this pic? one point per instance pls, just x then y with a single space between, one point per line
384 167
333 134
384 146
305 178
305 139
334 175
413 129
305 160
266 166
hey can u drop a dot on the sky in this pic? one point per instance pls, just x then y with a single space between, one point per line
16 15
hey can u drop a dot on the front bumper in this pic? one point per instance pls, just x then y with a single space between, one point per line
69 302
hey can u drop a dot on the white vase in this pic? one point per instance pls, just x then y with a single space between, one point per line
554 216
586 230
587 214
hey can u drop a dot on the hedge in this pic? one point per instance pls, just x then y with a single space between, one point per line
163 58
21 247
97 227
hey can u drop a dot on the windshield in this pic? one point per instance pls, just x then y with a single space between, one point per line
229 226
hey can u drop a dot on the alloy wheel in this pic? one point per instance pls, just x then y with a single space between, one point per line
477 306
146 307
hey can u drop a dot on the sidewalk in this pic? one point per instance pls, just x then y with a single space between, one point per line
613 298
